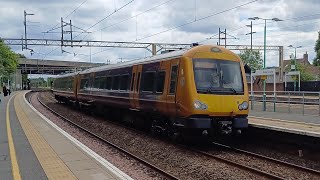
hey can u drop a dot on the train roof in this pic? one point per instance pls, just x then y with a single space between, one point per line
155 58
67 75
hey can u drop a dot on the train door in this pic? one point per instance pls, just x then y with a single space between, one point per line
172 87
78 83
132 86
135 88
74 81
163 77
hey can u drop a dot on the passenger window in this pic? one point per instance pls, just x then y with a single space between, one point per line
148 81
102 83
160 82
173 79
132 82
138 81
84 83
115 82
124 82
109 83
96 83
70 84
128 82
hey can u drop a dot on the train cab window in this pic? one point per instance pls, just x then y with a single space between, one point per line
160 82
173 79
148 81
115 82
108 82
216 76
132 82
138 81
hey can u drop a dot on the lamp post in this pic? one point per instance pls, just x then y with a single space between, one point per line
264 53
295 63
25 28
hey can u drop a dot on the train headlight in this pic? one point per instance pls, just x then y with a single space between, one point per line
243 106
200 105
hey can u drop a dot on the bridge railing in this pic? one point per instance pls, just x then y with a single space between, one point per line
300 102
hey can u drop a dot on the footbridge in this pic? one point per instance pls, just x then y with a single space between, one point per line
52 67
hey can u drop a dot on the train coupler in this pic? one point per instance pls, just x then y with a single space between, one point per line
225 127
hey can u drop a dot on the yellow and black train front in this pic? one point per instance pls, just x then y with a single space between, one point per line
212 94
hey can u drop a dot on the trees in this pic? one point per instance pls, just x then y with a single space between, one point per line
252 58
316 60
305 75
8 60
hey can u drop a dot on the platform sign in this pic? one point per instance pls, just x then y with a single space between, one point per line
295 76
291 73
264 72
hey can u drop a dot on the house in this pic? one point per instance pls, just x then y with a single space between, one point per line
314 70
257 83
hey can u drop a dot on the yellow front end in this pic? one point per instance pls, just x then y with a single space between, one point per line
213 92
222 105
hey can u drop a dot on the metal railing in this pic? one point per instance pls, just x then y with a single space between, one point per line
300 102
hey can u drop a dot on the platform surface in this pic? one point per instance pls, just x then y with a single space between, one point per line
32 147
287 122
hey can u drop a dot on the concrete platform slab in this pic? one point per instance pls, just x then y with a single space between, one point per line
63 157
292 123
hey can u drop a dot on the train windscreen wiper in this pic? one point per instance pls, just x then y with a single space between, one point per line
223 90
233 90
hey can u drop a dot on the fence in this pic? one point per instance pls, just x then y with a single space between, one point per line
300 102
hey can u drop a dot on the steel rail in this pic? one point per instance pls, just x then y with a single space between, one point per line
239 165
301 168
110 143
248 168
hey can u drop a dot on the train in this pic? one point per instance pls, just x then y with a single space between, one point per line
201 90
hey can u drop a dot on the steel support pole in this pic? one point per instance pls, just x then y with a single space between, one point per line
295 68
25 29
251 35
264 64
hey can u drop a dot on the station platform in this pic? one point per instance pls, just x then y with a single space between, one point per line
32 147
308 125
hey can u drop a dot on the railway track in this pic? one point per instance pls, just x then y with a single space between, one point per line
259 171
239 165
300 168
267 174
160 171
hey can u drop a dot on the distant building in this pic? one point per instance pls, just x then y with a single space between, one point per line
258 85
313 70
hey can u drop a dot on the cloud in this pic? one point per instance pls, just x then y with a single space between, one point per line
171 22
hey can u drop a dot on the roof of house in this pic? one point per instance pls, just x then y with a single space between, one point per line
309 67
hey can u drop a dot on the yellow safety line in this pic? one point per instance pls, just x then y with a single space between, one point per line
49 160
14 163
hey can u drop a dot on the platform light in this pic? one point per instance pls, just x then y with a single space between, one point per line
264 52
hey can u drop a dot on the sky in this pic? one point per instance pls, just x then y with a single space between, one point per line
160 21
